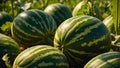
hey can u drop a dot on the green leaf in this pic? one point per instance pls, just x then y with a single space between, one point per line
115 9
7 62
6 28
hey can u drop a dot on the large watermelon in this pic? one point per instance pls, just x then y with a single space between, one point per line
9 49
59 12
33 27
105 60
41 56
82 37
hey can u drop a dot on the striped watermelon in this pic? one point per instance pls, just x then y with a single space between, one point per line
82 8
105 60
59 12
86 7
41 56
5 17
108 21
5 21
9 49
33 27
81 38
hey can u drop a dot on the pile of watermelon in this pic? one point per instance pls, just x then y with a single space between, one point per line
53 38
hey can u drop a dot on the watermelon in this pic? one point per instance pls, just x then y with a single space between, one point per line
85 7
82 37
5 23
108 21
59 12
33 27
41 56
82 8
9 49
5 17
105 60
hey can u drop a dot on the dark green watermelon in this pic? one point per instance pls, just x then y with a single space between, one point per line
41 56
5 23
59 12
81 38
9 49
105 60
33 27
5 17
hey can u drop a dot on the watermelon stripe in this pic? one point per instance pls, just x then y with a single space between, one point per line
48 64
59 16
62 64
59 34
60 56
43 20
45 64
61 11
20 37
65 28
25 22
23 32
20 33
33 29
115 60
50 23
75 58
82 52
7 41
70 56
70 25
86 31
17 36
10 42
68 11
90 43
30 51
